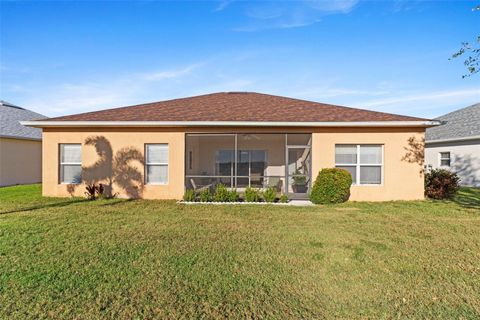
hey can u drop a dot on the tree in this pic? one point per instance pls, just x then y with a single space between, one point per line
472 52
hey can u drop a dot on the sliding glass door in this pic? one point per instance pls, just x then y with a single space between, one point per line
251 167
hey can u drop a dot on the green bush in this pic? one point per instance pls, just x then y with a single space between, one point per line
252 195
206 196
283 198
189 195
441 184
233 195
331 186
269 194
221 194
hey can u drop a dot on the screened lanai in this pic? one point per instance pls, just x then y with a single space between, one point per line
259 160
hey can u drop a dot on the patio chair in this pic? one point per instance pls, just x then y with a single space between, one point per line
198 189
256 180
275 182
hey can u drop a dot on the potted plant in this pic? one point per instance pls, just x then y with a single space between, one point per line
299 184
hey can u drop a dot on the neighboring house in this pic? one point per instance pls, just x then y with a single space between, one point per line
455 145
157 150
20 146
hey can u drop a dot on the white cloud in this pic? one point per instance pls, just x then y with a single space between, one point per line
170 74
422 97
292 14
337 6
319 93
430 104
68 98
223 5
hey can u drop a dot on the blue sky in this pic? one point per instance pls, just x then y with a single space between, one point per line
67 57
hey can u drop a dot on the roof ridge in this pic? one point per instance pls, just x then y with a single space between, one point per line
11 105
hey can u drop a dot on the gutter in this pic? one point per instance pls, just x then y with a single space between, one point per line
47 124
453 139
20 138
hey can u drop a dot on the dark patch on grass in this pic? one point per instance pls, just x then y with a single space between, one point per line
316 244
45 206
358 253
468 198
375 245
319 256
114 202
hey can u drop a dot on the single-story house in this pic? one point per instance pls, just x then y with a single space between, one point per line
20 146
455 145
240 139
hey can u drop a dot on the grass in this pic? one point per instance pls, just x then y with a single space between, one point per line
117 259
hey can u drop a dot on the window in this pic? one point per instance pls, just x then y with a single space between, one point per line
156 163
445 159
70 163
364 162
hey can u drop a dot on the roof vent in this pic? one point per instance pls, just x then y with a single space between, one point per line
237 92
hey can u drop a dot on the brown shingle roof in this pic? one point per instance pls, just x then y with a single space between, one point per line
236 106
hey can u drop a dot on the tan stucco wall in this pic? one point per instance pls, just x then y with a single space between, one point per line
402 179
20 161
119 140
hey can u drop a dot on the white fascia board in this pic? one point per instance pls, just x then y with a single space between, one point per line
44 124
20 138
453 139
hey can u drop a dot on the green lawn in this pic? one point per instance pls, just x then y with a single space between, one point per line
117 259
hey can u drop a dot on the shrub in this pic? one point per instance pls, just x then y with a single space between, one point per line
94 191
206 195
441 184
252 195
283 198
331 186
189 195
233 196
270 194
90 193
221 193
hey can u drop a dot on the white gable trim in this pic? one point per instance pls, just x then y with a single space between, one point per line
43 124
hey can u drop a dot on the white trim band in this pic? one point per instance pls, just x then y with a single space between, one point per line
42 124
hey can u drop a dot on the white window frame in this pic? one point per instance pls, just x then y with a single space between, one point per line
159 164
449 159
358 165
61 164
